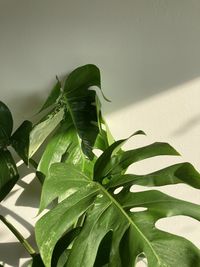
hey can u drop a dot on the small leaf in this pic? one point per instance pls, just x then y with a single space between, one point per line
53 96
20 140
42 130
6 125
8 173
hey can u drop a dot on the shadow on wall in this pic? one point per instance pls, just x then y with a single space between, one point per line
187 127
142 47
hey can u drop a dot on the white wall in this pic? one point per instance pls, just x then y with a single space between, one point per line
148 53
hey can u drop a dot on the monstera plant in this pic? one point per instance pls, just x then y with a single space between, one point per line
85 223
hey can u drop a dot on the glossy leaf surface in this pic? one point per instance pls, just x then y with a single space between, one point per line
131 234
80 103
65 146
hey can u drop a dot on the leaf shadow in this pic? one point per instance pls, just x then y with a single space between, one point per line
187 126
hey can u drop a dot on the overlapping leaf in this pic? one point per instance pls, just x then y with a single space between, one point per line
64 146
81 129
131 234
80 101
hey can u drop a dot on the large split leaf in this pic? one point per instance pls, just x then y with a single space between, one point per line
110 217
178 173
6 125
8 173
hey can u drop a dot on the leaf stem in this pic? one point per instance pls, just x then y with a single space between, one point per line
21 239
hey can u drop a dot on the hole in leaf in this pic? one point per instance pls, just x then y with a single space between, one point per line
141 262
118 190
138 209
29 177
182 226
97 152
19 163
125 251
138 188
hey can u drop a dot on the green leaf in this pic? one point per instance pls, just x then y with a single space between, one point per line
63 180
42 130
111 217
64 146
36 261
53 96
6 125
55 148
58 259
8 174
108 153
69 211
178 173
80 103
109 164
20 140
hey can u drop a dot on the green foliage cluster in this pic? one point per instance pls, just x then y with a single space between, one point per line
87 223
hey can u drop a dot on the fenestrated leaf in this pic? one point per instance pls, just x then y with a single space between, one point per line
80 103
20 140
169 249
108 165
53 96
8 173
111 215
108 153
6 125
42 130
178 173
132 233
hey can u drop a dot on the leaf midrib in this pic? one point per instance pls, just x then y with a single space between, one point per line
75 126
129 219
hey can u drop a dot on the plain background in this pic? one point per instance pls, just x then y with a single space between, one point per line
149 55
